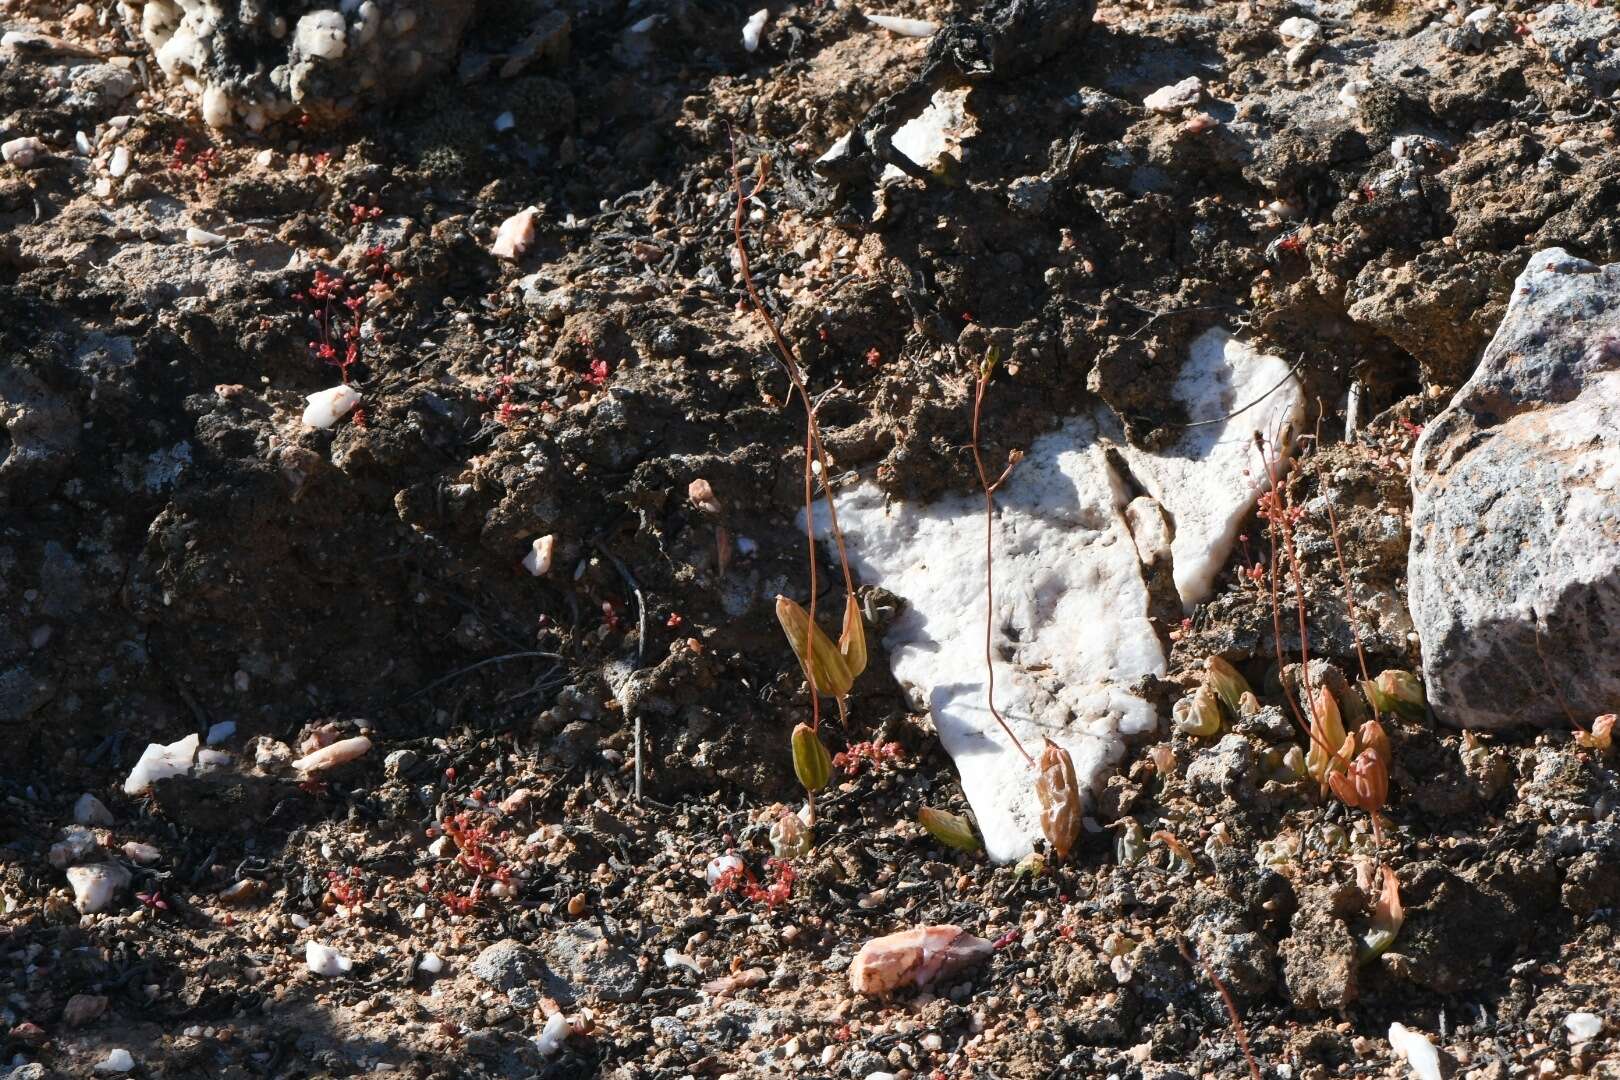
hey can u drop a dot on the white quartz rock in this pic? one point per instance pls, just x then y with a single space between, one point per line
90 810
321 34
203 238
515 235
118 164
753 28
1298 31
553 1035
1583 1026
935 132
160 762
1071 601
325 961
719 866
1419 1052
116 1061
24 153
1175 97
538 560
327 407
338 753
1199 477
896 24
96 886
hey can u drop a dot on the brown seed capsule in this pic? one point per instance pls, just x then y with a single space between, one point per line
950 829
811 762
1228 685
852 642
1059 794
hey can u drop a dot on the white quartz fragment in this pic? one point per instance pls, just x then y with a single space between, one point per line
937 132
323 960
24 152
1419 1052
96 886
1583 1026
719 866
203 238
117 1061
1297 31
538 560
553 1035
159 762
1071 601
753 28
321 34
327 407
90 810
118 164
515 235
896 24
430 963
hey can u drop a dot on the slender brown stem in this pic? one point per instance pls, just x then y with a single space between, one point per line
813 449
1231 1006
989 561
1281 508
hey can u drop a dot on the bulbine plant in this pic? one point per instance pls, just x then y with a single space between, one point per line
829 669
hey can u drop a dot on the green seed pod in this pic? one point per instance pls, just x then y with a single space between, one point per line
1131 843
1228 685
1399 692
811 762
950 829
1198 714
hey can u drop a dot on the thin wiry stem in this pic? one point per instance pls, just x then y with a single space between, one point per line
989 560
813 449
1231 1006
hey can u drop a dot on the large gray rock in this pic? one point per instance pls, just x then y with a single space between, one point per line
256 61
1515 560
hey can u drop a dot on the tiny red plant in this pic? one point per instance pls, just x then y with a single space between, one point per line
858 754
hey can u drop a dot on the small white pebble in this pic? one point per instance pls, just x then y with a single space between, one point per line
116 1061
552 1036
203 238
90 810
82 142
24 153
430 963
327 407
118 164
505 122
1583 1026
338 753
143 854
538 560
325 961
753 28
515 235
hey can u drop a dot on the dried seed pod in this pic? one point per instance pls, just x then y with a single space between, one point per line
823 664
1365 783
811 762
1387 918
952 830
1199 713
1131 843
852 641
1059 793
1326 752
1228 685
1248 705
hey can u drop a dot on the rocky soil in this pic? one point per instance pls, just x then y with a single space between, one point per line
505 892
